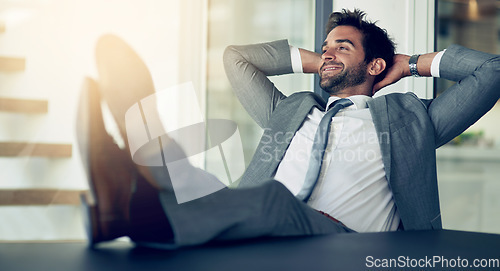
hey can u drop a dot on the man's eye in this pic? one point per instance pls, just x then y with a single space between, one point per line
342 48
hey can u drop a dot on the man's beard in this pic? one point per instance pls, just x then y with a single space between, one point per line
349 77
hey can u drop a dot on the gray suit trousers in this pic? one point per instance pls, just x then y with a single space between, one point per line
229 214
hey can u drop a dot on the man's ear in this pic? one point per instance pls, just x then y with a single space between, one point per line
376 66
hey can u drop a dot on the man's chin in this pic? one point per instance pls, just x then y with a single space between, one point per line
328 86
325 83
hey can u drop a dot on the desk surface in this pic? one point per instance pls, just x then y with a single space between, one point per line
332 252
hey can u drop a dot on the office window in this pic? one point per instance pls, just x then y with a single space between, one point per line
243 22
468 167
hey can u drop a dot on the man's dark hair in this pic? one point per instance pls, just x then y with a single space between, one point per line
376 41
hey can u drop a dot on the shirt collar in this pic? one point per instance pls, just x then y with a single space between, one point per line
359 101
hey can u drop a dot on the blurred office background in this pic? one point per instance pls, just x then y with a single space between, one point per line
47 49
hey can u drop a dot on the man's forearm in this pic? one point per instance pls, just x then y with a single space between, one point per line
311 61
423 64
401 69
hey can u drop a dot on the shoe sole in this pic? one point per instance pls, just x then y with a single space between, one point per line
89 200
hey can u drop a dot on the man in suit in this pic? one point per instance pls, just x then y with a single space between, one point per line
377 172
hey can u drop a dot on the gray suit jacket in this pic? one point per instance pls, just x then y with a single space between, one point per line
409 129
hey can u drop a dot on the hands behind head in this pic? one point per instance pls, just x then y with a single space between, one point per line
399 69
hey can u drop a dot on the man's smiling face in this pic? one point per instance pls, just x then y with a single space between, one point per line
343 60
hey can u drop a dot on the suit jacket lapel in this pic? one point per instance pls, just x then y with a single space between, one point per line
378 108
286 122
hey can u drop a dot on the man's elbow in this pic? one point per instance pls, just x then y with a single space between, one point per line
231 56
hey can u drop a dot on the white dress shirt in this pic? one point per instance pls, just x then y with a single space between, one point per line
352 186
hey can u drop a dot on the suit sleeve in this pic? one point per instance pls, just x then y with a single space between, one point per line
477 89
247 68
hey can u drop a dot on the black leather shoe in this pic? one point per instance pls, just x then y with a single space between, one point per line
124 80
110 172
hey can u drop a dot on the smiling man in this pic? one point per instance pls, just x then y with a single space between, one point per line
354 163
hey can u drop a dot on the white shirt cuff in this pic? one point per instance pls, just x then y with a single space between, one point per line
296 60
435 64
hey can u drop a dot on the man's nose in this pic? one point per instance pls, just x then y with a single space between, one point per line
328 55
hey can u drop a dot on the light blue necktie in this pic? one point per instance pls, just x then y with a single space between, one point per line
319 145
